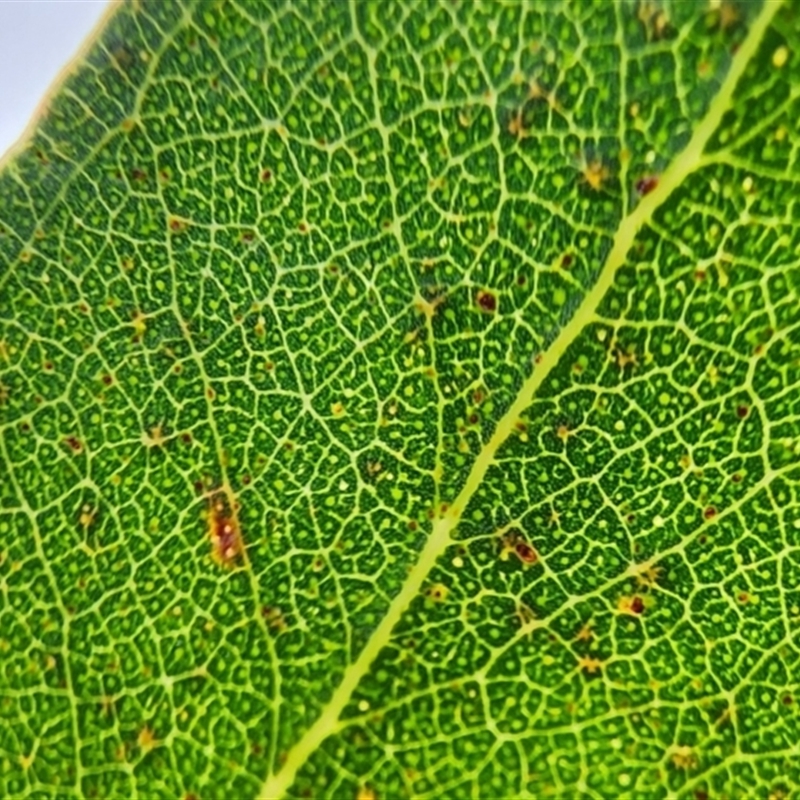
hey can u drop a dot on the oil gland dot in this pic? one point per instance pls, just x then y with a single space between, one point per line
780 56
363 706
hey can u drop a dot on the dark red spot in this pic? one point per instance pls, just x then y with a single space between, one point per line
487 301
25 427
138 174
108 380
266 175
710 512
198 486
175 225
412 525
637 605
74 443
227 540
48 365
742 411
566 261
443 508
787 700
525 552
700 275
702 539
246 480
210 393
521 280
473 419
743 597
700 794
186 438
736 477
478 397
302 227
248 237
646 185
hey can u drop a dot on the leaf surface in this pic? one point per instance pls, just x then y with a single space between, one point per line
402 400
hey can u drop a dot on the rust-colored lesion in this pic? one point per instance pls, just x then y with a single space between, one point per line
224 531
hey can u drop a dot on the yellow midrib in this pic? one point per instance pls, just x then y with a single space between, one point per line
686 162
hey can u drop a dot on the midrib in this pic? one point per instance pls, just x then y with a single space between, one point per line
276 785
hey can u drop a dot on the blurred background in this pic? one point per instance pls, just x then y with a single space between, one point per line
37 38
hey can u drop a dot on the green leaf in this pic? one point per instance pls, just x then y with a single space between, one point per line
401 400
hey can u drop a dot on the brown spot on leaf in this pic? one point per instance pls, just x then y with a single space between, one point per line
646 184
486 301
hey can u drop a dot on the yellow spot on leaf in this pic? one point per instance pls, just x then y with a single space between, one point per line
154 437
683 757
589 664
780 56
595 174
146 739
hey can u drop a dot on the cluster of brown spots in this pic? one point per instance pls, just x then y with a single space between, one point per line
223 530
646 184
438 592
514 543
486 301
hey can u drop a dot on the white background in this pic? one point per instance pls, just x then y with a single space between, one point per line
37 38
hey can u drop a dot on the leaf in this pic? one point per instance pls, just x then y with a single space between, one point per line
401 400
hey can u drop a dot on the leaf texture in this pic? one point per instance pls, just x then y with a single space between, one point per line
401 400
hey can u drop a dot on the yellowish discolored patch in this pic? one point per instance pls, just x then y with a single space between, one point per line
683 757
589 664
146 739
